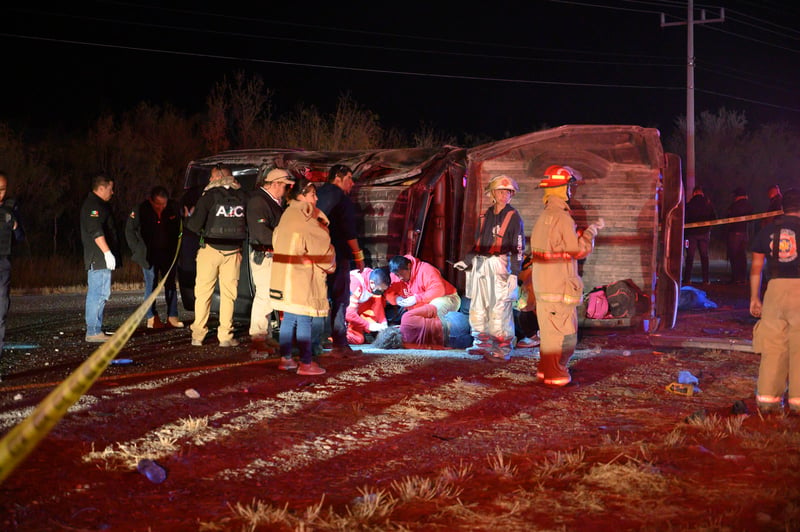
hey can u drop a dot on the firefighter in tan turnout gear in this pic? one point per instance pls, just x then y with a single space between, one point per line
555 250
494 264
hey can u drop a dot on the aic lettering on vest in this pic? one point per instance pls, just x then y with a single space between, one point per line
227 218
236 211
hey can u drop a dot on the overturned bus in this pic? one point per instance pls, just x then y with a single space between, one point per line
427 202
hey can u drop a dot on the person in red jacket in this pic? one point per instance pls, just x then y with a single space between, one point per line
427 297
365 311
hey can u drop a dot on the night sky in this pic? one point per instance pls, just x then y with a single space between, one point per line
499 70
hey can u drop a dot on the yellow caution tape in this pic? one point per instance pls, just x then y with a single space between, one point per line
23 438
722 221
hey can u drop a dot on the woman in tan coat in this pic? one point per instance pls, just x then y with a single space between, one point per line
302 259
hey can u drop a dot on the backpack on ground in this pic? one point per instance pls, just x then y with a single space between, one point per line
597 304
623 297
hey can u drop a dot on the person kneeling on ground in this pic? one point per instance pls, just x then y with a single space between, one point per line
365 311
427 298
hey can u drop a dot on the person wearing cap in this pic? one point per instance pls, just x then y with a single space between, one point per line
556 247
334 201
493 265
264 209
737 236
152 231
302 259
219 219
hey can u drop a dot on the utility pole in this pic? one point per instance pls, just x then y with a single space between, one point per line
690 22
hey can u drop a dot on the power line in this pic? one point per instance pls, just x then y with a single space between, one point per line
750 100
341 67
744 78
754 39
363 46
377 33
760 27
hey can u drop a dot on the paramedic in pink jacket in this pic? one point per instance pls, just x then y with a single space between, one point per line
427 297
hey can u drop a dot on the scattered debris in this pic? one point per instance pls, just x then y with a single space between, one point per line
154 472
739 408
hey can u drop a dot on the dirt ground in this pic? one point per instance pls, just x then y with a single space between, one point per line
397 440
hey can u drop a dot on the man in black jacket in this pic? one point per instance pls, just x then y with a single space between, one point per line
152 232
10 230
264 209
737 236
334 200
219 219
699 209
99 239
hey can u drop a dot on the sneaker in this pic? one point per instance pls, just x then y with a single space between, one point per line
233 342
175 323
288 363
477 351
310 369
196 343
97 338
343 352
155 323
496 357
527 343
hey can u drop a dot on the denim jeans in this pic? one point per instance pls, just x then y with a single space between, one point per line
339 296
152 276
296 327
5 282
96 297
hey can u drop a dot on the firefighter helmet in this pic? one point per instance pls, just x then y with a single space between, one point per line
558 176
502 182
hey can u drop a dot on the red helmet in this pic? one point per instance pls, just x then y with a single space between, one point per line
558 176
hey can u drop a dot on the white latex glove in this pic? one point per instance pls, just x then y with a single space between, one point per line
111 262
599 224
460 265
513 288
409 301
377 327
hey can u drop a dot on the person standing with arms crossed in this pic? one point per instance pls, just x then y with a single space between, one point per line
152 232
334 200
99 239
264 210
556 248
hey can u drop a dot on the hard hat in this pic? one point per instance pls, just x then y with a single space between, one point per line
558 176
502 182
